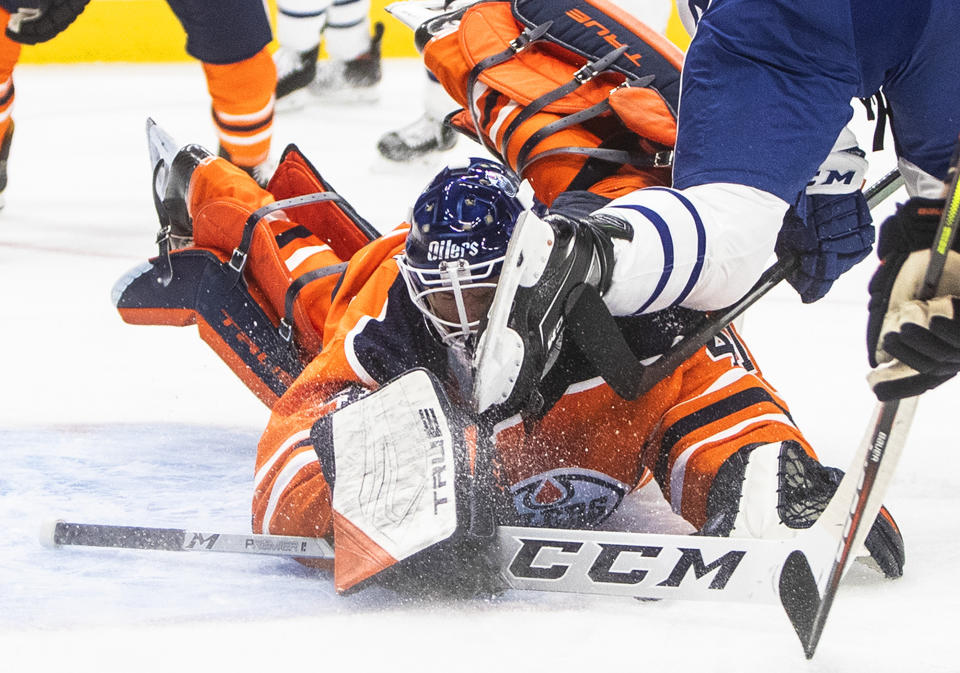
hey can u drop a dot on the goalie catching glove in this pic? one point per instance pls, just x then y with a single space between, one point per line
918 341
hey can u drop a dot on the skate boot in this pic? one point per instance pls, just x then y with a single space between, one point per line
172 170
353 80
774 490
418 139
545 260
295 70
4 154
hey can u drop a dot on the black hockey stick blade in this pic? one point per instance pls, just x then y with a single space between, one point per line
800 598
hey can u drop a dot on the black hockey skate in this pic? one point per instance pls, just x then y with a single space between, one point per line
172 170
786 490
295 70
418 139
353 80
545 261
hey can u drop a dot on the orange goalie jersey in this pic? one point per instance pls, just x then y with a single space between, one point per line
571 467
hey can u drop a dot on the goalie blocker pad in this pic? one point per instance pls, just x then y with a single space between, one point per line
395 460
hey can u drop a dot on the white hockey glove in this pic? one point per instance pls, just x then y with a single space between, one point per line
918 341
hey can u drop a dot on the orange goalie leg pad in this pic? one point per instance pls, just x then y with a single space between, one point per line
336 223
222 198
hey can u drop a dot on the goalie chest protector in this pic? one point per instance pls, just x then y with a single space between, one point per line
583 79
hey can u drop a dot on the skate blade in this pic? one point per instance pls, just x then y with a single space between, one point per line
499 356
160 144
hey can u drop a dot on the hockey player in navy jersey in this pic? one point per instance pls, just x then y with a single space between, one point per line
763 163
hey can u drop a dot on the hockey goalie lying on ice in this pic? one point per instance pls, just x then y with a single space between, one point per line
361 344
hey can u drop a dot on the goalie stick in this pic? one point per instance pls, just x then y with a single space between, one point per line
645 565
638 565
879 452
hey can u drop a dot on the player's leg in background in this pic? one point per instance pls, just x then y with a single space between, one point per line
352 71
426 134
230 38
298 31
9 54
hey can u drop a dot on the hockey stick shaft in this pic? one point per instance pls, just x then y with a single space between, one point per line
63 533
884 442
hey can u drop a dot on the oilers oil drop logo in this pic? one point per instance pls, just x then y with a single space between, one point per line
566 498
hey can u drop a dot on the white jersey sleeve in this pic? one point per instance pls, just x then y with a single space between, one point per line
690 12
702 247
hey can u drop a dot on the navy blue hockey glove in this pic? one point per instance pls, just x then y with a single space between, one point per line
919 339
35 21
830 233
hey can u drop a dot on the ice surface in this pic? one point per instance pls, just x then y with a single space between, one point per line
110 423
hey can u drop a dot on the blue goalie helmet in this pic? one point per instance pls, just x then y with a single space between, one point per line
459 230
